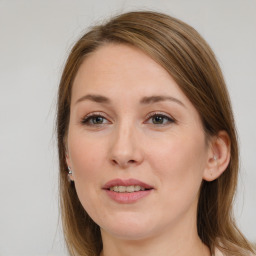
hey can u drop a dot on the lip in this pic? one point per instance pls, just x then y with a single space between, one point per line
127 198
128 182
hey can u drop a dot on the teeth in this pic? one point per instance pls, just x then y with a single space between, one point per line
129 189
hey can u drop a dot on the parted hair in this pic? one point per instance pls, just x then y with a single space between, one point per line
180 50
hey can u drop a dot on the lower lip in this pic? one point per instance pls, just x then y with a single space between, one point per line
127 198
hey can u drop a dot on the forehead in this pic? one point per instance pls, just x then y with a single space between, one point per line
112 57
123 70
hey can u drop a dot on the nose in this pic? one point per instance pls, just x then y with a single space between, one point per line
126 148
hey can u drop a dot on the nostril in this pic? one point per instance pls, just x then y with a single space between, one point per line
123 162
114 161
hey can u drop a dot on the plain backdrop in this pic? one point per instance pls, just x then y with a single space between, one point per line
35 38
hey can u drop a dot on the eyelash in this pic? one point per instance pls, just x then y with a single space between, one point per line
162 115
87 119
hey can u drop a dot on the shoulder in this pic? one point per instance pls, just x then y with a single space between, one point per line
217 252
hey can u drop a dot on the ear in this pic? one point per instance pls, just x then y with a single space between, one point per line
68 161
218 156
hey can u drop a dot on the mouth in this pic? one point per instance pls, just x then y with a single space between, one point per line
127 186
128 189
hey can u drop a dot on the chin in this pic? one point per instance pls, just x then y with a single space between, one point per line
131 234
129 229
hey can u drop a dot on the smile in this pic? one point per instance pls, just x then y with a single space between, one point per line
129 189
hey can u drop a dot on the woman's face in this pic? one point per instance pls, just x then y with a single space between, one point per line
135 144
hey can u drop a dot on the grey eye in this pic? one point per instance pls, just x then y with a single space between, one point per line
94 120
97 120
160 119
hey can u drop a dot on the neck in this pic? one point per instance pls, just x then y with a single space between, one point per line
188 244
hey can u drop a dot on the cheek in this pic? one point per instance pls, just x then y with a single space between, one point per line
85 154
180 164
87 157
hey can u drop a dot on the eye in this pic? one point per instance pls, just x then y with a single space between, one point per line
94 120
159 119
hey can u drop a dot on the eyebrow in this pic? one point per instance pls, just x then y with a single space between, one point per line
144 100
154 99
95 98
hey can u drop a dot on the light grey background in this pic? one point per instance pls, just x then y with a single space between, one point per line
35 37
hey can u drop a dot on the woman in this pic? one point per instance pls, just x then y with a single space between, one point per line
147 137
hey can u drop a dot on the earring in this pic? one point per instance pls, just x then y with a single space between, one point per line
70 179
214 158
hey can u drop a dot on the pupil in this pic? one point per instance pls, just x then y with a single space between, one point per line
98 120
158 120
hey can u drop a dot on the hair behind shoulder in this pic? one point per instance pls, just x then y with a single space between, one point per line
180 50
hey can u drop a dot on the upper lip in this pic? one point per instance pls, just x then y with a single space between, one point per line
127 182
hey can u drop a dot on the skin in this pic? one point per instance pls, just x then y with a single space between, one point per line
168 152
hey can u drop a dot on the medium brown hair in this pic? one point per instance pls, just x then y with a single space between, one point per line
180 50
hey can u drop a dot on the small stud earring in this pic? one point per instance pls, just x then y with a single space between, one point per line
214 158
69 170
